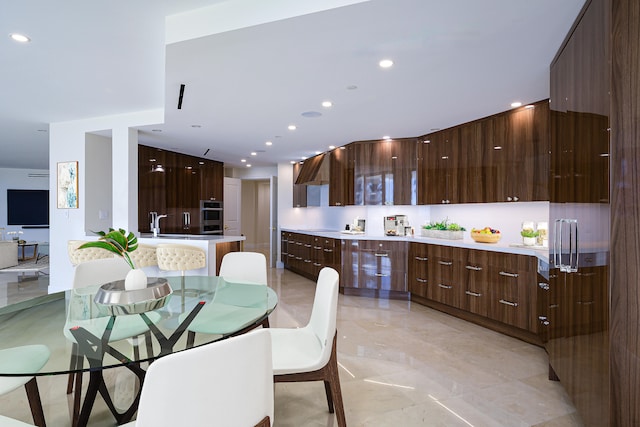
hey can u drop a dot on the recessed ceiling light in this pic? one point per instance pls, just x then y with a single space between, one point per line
327 104
516 104
248 165
20 38
303 158
253 153
529 106
331 147
292 127
386 63
293 162
318 152
268 143
243 160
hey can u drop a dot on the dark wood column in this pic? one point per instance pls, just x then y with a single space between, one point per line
625 224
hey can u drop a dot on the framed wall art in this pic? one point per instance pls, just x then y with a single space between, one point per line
67 185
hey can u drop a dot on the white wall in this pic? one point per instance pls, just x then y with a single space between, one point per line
98 200
67 142
22 179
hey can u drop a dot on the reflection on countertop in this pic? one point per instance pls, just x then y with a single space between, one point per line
211 237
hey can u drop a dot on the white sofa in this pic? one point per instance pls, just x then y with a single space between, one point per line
8 253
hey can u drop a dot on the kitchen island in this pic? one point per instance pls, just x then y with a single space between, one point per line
215 247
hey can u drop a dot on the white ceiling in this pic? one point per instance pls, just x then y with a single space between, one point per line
454 61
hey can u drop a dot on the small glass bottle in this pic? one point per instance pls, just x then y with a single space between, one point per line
543 240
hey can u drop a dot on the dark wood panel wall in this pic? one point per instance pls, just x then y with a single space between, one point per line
625 230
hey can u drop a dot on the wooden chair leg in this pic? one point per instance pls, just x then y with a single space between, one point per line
327 389
34 402
191 338
149 344
333 378
73 363
265 323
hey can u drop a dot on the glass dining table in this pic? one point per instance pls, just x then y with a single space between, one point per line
86 336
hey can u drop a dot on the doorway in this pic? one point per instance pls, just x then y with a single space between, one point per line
256 206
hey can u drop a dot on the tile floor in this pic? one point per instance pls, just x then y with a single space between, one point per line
402 365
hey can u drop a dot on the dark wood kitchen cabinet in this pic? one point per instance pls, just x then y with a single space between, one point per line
472 170
307 254
519 154
374 268
173 184
299 190
417 269
438 167
512 290
341 176
444 285
474 279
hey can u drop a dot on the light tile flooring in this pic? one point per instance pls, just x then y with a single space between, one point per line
402 364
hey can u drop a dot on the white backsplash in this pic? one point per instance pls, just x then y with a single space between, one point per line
506 217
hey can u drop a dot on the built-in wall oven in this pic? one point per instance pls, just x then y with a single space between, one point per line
211 217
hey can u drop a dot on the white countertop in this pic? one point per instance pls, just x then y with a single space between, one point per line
467 242
214 238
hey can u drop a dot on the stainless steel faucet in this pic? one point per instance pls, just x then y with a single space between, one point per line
155 222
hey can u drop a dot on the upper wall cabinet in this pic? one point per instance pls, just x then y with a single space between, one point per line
385 172
299 190
341 176
173 184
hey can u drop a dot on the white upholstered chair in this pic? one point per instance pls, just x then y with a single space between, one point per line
78 256
236 267
226 383
10 422
98 272
144 256
29 358
309 353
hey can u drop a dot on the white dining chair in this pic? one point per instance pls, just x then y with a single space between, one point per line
309 353
10 422
29 358
226 383
92 273
246 268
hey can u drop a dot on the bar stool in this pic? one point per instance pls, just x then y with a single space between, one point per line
144 256
78 256
175 257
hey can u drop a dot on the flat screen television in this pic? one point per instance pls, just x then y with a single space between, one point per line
28 207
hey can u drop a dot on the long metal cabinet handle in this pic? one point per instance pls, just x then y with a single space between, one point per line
377 254
422 259
382 275
421 280
512 304
472 267
445 262
445 286
473 294
504 273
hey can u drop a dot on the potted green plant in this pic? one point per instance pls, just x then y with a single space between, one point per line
443 230
529 236
121 243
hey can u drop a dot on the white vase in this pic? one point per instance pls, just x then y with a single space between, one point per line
136 279
529 241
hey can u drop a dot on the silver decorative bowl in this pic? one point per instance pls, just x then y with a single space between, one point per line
116 300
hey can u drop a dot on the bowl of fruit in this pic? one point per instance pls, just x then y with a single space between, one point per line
485 235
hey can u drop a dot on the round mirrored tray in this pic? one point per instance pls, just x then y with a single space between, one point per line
116 300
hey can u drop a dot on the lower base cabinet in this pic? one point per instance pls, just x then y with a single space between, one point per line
307 255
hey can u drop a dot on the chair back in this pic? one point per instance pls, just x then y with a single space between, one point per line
99 271
325 310
175 257
78 256
244 267
144 256
225 383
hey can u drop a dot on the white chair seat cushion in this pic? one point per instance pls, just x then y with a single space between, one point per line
28 358
10 422
295 351
223 319
125 326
